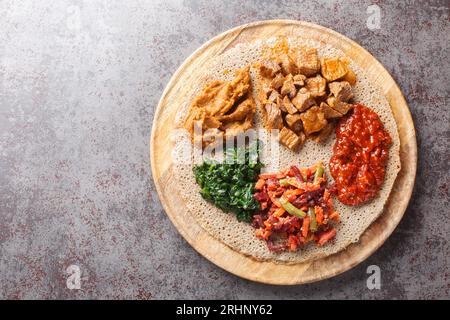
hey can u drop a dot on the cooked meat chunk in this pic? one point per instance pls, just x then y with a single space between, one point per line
316 85
342 90
269 68
307 92
279 103
281 106
350 77
266 90
290 139
329 112
299 80
294 122
240 113
342 107
288 87
333 69
288 106
273 118
307 60
288 65
273 96
323 134
277 82
313 120
331 101
303 100
321 99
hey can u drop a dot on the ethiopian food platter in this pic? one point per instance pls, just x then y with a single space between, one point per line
283 152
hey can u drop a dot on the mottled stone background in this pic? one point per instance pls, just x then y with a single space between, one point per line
80 81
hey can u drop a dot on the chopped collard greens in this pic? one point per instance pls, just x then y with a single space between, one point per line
230 185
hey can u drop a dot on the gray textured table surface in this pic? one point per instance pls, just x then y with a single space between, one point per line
80 81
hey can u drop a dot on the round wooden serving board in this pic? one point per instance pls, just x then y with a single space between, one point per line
268 272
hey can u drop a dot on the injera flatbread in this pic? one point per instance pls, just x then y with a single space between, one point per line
240 235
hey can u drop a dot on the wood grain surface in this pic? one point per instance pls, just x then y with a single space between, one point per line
269 272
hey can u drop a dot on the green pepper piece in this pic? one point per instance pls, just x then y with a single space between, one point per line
284 183
319 172
312 218
291 209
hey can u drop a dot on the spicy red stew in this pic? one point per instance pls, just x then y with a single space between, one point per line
359 156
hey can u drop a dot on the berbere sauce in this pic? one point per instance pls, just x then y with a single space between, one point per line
359 156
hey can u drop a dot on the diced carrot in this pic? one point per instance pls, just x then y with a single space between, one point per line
334 216
266 176
272 187
268 225
295 192
291 197
304 172
260 184
263 205
319 214
282 174
325 236
326 195
293 243
330 204
262 234
303 186
279 212
259 233
274 200
305 208
308 186
305 226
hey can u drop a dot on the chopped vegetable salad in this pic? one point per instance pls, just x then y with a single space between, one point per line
296 207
